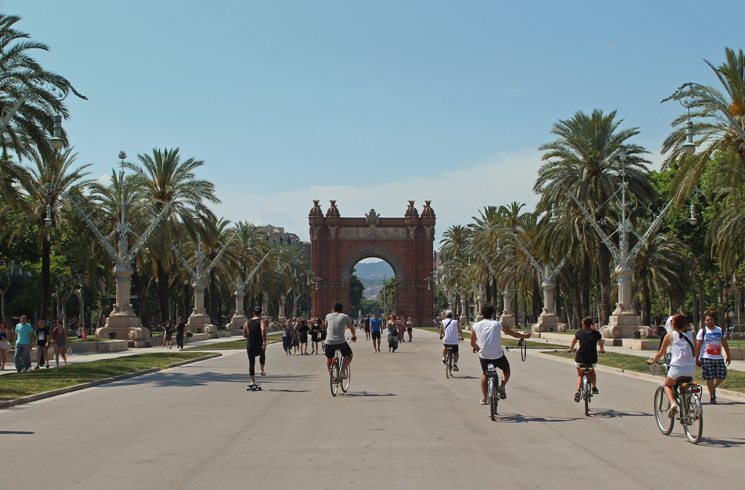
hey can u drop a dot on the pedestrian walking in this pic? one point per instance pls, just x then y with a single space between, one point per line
168 334
180 329
42 344
392 329
315 335
401 325
710 341
303 330
4 344
409 327
366 323
254 330
295 338
24 336
287 338
59 336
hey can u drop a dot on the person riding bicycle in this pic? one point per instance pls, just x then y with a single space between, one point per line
587 354
450 334
683 361
336 323
486 339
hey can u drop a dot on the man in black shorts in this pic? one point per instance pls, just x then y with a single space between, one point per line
486 339
254 330
336 323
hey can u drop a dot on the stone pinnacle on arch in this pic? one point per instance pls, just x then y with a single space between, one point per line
427 211
411 211
333 211
316 211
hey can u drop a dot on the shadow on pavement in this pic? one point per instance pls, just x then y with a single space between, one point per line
711 442
170 379
609 413
288 391
367 393
17 432
516 418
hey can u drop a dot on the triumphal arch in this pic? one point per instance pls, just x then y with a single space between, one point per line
406 243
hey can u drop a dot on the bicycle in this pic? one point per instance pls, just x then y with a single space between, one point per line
492 390
523 349
335 379
690 413
586 386
448 361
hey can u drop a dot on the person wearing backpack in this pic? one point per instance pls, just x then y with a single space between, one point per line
683 360
450 334
710 340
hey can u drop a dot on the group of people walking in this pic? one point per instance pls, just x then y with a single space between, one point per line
396 329
297 333
26 337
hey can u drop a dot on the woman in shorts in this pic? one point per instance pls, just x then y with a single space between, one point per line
59 336
4 345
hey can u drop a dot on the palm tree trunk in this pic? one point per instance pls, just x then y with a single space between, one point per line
163 290
586 278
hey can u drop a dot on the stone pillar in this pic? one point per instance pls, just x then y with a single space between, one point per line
463 312
548 321
265 303
198 320
624 321
507 318
239 317
282 303
122 322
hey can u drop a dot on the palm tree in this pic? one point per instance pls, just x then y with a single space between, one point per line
167 178
586 160
45 183
35 93
719 124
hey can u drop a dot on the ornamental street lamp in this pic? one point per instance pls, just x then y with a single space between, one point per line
239 318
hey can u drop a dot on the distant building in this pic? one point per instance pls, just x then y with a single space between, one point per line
277 235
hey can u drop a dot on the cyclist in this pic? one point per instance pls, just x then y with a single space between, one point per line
486 339
710 341
683 361
336 323
450 334
587 353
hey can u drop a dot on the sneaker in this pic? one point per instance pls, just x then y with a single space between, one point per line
577 396
713 400
595 391
443 361
484 402
455 367
502 393
671 411
344 375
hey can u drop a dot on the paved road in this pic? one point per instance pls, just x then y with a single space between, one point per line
403 425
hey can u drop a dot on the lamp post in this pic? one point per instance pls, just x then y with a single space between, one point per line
239 318
199 320
624 321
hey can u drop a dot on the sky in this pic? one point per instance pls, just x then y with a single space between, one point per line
369 103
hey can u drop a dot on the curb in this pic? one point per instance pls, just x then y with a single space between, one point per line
634 374
91 384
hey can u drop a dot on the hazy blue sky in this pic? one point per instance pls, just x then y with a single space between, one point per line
371 103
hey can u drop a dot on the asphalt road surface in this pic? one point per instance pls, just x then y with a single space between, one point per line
402 425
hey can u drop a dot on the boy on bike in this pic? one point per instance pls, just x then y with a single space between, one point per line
450 334
587 353
336 324
486 339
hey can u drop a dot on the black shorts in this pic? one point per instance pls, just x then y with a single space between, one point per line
409 329
501 363
454 346
376 335
330 350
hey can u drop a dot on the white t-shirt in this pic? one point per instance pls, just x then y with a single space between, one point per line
489 338
450 325
711 343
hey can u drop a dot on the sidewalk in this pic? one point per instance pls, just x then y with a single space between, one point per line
97 356
563 339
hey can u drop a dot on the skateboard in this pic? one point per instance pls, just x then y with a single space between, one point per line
253 388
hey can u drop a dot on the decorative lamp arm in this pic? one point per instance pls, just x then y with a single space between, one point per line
527 253
650 231
186 265
588 217
217 257
102 239
143 238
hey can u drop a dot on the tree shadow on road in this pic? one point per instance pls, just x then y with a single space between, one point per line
16 432
516 418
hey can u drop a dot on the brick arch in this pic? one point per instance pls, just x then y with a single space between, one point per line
406 243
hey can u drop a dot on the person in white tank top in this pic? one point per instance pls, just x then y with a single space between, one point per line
683 360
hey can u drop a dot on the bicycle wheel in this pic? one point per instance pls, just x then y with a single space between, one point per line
448 361
586 394
693 424
661 406
334 377
345 381
491 393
